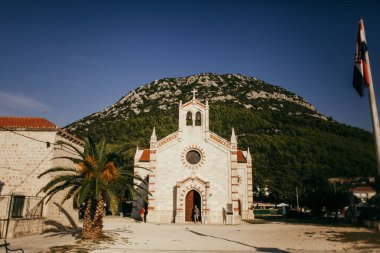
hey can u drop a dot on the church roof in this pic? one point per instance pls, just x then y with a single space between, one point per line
26 122
240 157
145 156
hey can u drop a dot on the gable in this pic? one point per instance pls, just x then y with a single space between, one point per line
196 103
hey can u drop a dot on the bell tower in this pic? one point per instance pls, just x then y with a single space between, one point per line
193 116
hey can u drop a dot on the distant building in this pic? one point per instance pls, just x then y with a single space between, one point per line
363 193
27 148
194 166
355 180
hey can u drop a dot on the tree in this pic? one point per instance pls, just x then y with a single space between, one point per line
98 176
375 200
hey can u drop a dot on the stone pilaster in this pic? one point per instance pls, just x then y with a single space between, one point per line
249 183
181 120
152 178
206 118
234 177
180 204
206 208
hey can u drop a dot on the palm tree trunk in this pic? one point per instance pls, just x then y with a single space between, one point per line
87 221
98 218
92 228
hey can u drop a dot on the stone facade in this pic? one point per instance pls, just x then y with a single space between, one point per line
25 152
194 166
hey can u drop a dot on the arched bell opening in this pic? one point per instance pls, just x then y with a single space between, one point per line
189 119
198 119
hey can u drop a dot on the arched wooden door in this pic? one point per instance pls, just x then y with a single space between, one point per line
192 198
239 206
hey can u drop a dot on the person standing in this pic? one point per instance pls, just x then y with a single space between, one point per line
142 214
196 214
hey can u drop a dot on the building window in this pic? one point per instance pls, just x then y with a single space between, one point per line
193 157
198 119
18 206
189 119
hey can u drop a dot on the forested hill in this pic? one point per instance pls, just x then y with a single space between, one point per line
291 142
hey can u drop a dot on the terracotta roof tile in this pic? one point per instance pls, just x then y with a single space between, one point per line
362 189
26 122
240 157
145 156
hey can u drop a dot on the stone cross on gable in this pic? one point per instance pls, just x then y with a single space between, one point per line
194 91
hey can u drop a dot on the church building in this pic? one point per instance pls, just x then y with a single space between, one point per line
194 167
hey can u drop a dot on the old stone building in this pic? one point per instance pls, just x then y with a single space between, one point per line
194 166
27 148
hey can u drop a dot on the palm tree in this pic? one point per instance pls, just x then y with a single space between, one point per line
98 176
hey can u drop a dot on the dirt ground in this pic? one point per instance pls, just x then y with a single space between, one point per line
122 235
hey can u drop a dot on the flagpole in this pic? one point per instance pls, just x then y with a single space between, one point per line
375 122
372 102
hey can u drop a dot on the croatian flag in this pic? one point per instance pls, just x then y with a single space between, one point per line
361 69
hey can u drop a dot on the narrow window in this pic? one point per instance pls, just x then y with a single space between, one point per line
189 119
198 119
18 206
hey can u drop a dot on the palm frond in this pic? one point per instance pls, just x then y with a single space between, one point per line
84 192
90 147
102 149
97 187
57 169
76 203
50 194
125 148
70 193
142 188
70 179
63 143
143 168
73 159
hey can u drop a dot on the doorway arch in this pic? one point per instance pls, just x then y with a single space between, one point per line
193 198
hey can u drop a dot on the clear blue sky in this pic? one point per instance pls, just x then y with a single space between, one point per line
64 60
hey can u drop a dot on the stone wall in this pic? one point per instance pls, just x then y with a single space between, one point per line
58 213
22 160
25 227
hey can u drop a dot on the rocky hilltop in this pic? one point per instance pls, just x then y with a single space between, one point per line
292 144
165 94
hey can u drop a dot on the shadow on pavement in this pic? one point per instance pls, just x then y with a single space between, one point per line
371 239
315 221
59 229
259 249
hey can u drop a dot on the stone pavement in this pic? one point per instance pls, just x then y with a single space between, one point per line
124 234
43 242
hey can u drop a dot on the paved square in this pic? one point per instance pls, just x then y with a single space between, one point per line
126 235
